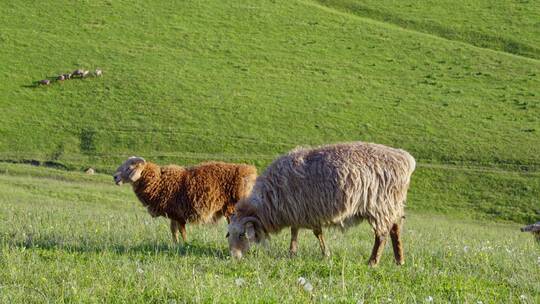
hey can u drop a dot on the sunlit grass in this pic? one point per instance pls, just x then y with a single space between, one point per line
102 246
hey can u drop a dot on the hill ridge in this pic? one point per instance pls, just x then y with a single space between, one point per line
439 30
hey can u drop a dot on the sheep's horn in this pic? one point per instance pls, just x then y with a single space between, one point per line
251 219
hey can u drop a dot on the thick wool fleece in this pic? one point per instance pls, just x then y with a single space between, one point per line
334 185
198 194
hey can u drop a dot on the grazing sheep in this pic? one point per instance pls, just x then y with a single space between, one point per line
199 194
98 73
534 229
90 171
44 82
67 76
77 72
335 185
84 73
61 78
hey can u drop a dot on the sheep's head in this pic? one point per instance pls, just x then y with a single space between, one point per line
242 232
130 171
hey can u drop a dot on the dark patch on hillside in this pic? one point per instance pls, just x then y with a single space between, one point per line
471 37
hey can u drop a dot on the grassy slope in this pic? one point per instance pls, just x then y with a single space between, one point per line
237 80
69 237
244 81
508 26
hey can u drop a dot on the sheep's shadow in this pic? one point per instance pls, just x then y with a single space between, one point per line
52 79
189 249
31 86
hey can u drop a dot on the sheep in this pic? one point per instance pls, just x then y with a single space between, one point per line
84 73
198 194
534 229
61 78
77 72
44 82
98 73
334 185
67 76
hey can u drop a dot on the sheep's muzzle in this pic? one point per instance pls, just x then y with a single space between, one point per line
236 254
117 179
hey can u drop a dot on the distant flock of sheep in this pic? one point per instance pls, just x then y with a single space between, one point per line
78 73
308 188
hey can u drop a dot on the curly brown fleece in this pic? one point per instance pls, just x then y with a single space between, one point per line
198 194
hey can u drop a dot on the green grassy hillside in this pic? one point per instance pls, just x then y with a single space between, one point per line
456 83
507 25
237 80
71 238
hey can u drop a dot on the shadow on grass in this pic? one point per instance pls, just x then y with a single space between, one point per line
53 80
190 249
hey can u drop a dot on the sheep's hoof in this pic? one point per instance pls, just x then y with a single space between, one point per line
326 254
373 263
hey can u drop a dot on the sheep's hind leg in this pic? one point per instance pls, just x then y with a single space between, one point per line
319 234
396 244
378 247
294 241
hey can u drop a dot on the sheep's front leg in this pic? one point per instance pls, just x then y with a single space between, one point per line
380 241
174 230
319 234
396 244
294 241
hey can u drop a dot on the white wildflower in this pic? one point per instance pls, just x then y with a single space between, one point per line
429 299
361 301
466 249
239 282
139 270
523 297
307 285
479 302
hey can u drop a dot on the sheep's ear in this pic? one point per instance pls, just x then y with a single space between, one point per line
250 232
135 174
135 170
137 159
135 164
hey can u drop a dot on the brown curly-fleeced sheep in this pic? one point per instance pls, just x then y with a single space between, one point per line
198 194
335 185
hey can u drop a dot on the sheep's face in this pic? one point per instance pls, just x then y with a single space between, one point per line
130 171
241 233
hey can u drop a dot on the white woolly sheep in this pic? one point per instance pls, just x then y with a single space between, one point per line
335 185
